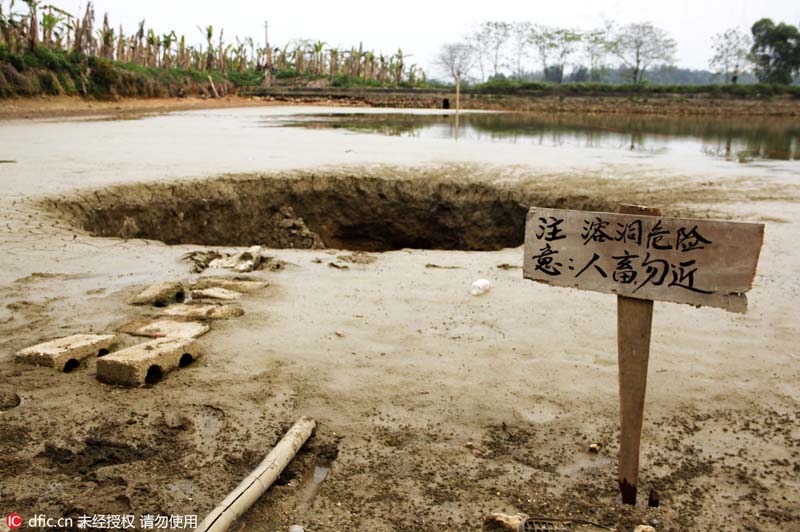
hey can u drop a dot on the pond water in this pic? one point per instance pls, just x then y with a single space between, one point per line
741 139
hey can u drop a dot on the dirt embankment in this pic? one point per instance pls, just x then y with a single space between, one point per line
590 103
658 105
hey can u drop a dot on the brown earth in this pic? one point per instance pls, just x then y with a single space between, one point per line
75 106
653 105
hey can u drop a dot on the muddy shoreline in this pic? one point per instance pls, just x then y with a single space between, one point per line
76 107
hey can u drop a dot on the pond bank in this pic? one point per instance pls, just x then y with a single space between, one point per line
677 104
655 105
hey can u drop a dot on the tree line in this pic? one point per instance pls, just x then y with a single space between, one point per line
55 29
493 50
534 52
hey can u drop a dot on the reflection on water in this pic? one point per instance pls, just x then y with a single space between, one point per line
741 139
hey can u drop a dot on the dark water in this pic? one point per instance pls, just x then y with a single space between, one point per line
742 139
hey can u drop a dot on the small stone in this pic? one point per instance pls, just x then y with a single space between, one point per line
238 285
500 521
296 528
216 293
249 260
160 295
165 328
595 448
8 400
644 528
204 311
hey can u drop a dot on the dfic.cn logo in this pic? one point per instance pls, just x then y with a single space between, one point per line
14 521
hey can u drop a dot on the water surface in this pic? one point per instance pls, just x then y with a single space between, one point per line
740 139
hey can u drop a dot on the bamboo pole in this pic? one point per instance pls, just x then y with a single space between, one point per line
256 483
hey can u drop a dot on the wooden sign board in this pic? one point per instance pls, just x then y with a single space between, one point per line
641 256
698 262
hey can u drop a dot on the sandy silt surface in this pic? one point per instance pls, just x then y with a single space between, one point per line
434 407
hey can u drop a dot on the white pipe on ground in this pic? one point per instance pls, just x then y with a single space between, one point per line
256 483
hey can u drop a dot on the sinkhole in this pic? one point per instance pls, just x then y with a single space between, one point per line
359 213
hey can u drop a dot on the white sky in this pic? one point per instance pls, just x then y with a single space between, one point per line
419 27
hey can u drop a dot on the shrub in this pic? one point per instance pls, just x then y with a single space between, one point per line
104 78
343 80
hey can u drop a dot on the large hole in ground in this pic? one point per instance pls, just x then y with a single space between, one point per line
316 211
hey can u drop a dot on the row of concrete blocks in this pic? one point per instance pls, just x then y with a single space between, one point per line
144 363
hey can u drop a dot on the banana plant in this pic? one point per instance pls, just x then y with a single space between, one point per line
33 31
167 40
49 23
319 46
11 26
208 32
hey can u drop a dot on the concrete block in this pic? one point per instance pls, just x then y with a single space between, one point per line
160 295
66 353
239 285
203 311
148 362
216 293
165 328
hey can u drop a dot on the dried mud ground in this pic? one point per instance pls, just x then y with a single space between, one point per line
435 407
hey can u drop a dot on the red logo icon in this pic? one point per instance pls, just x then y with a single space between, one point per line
14 521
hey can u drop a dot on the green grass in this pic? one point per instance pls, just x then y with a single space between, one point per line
758 90
247 78
45 71
353 81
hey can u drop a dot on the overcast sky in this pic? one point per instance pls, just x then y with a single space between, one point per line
419 27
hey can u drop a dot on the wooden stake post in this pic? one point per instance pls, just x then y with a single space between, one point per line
641 256
634 321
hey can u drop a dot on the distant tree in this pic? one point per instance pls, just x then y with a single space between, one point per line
731 50
580 75
595 48
479 44
457 59
776 51
488 41
554 46
566 43
641 45
543 40
498 35
520 33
